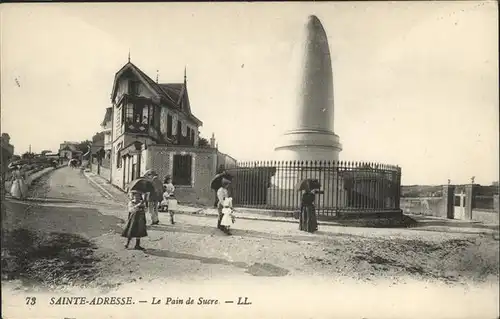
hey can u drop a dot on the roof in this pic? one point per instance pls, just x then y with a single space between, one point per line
171 94
107 116
69 147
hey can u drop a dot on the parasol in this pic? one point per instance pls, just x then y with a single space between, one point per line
149 173
308 184
142 185
216 182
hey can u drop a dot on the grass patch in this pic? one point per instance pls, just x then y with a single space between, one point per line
48 258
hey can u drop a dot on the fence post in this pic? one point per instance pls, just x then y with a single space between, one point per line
470 193
448 197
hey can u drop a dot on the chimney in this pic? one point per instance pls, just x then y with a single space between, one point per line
212 141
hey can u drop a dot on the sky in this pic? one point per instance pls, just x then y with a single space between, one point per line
415 83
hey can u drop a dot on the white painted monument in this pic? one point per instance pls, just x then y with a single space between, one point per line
311 136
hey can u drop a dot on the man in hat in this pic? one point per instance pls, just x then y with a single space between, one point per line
222 194
155 198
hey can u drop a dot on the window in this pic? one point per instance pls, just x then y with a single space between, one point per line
151 115
182 170
130 113
133 87
169 125
179 128
145 115
118 157
118 121
192 137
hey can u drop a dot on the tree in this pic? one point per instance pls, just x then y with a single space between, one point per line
203 142
28 155
83 146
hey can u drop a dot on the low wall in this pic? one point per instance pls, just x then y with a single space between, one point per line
429 206
485 216
103 172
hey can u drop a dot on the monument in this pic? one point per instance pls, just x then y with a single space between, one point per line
310 136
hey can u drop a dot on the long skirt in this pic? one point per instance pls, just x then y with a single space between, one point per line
226 220
307 219
18 189
136 225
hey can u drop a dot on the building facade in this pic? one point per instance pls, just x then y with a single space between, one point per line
68 150
106 129
152 127
7 153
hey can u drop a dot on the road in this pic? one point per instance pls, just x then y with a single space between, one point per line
266 253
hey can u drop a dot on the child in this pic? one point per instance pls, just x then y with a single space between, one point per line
136 224
169 202
228 214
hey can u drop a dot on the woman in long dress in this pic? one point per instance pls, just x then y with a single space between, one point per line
222 194
136 223
307 217
19 187
228 215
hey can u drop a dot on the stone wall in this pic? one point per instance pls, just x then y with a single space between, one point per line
430 206
485 216
204 161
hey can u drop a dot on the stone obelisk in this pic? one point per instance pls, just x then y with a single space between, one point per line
311 135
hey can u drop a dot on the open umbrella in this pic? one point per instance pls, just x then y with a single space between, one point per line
308 184
149 172
216 182
142 185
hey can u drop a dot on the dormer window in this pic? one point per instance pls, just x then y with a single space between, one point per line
133 87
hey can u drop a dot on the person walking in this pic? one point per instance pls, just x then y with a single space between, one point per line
136 223
19 188
222 194
155 198
228 217
216 182
307 218
169 200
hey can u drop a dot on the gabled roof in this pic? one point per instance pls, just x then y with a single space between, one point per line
107 116
69 147
172 94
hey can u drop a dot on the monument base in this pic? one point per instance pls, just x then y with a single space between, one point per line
284 192
308 145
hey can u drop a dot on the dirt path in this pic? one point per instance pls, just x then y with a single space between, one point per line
81 247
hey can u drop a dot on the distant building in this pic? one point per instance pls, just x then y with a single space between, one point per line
7 154
69 150
107 127
151 126
7 148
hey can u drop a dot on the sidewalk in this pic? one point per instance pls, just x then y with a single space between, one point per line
108 190
408 221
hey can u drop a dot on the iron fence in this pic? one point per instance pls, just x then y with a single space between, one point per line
348 187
